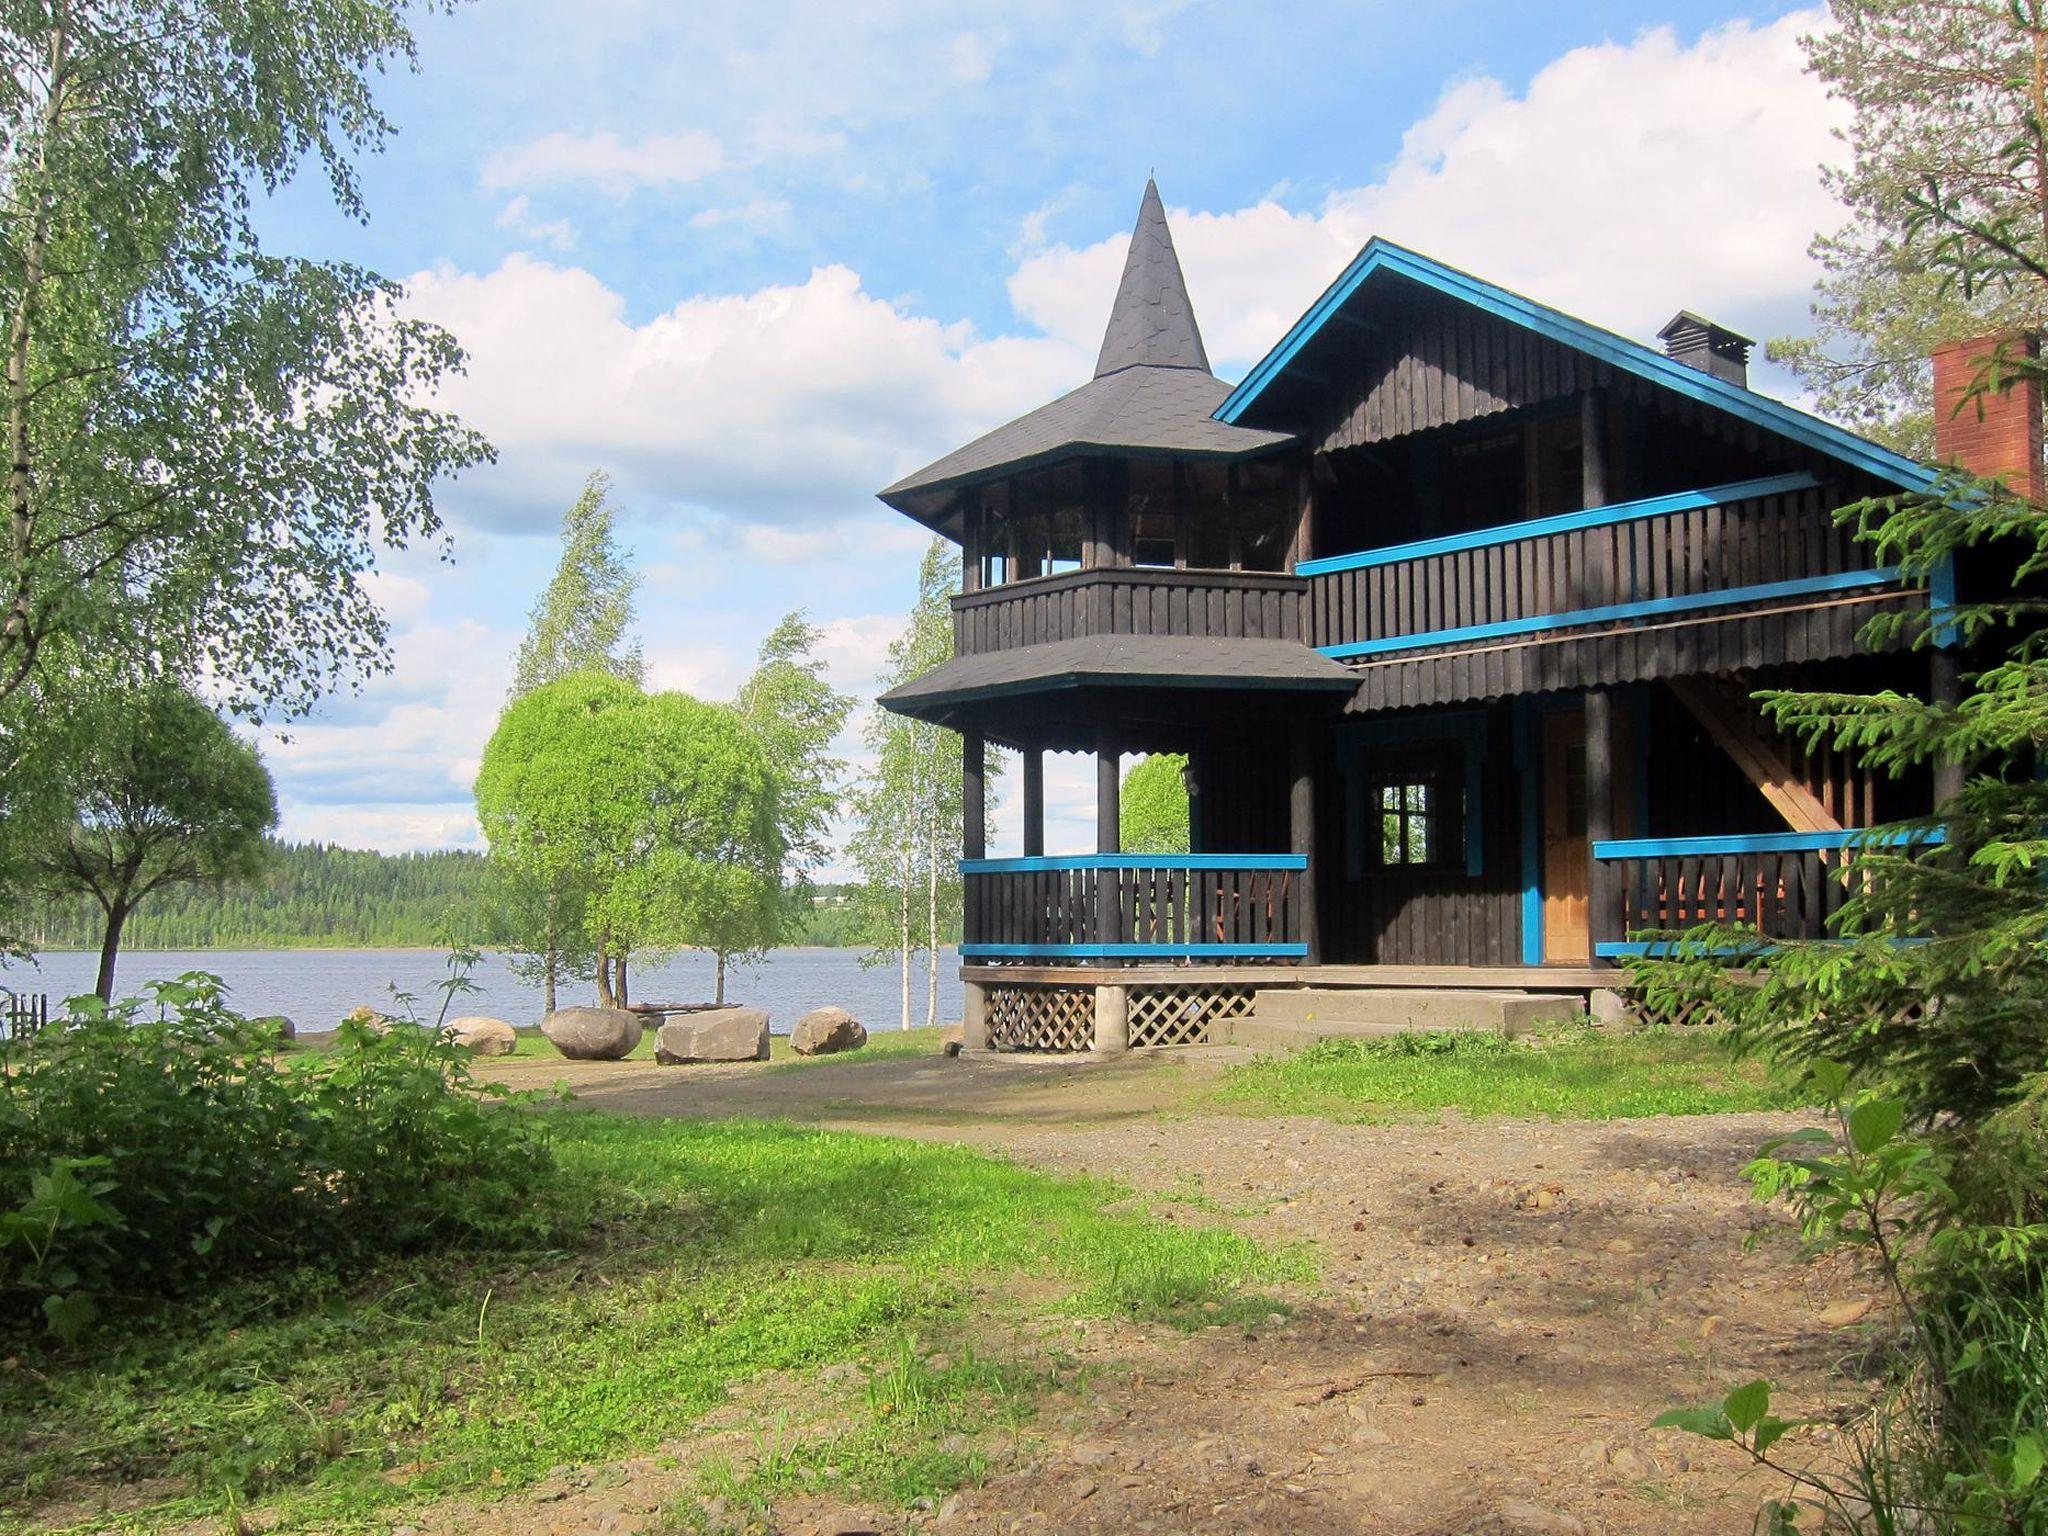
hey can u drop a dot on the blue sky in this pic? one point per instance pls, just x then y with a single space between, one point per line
756 261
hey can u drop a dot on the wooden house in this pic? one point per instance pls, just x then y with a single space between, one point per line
1455 604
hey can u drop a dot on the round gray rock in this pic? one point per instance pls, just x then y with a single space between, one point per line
827 1031
715 1034
592 1034
482 1035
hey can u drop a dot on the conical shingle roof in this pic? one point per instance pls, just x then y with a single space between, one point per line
1152 392
1152 323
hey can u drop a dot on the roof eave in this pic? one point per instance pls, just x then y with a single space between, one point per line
1617 350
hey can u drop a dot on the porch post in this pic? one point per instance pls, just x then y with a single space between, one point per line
974 800
1108 787
1301 816
1034 802
1108 839
1599 819
1945 690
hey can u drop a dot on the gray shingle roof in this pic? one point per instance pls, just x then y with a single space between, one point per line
1152 391
1152 322
1123 661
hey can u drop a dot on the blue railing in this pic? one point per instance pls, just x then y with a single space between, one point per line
1135 906
1779 885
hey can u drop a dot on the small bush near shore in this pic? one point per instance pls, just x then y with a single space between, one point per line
1579 1074
149 1149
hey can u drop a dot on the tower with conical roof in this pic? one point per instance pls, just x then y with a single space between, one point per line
1152 397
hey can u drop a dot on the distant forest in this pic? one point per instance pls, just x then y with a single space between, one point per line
315 895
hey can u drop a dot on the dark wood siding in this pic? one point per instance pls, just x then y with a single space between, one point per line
1432 917
1234 605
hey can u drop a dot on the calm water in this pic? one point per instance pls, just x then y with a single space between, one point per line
315 987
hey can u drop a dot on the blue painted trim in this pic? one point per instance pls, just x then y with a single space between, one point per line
1803 586
1759 842
1039 863
1134 951
1526 769
1563 522
1941 600
1630 356
1620 949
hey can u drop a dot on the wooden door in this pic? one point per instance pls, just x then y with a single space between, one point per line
1567 896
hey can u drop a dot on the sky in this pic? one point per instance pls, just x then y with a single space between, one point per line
758 261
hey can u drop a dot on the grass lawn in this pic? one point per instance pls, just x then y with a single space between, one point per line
707 1256
1578 1074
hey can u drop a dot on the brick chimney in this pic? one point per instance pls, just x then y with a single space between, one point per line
1995 435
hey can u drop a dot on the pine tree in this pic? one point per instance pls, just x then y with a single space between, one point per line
1939 89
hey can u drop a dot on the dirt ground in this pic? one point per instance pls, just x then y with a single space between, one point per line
1500 1309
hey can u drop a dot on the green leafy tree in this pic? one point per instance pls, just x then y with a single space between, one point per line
1153 805
910 806
207 443
797 715
583 620
166 795
1948 95
661 806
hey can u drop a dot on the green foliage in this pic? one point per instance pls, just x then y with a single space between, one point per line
706 1255
1958 1445
796 715
154 1150
1943 96
308 895
657 810
1152 808
209 442
1579 1074
166 794
909 810
581 622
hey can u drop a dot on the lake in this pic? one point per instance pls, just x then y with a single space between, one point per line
314 988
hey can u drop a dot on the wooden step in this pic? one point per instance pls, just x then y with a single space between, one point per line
1295 1016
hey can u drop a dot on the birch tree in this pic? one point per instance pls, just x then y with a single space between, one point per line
911 805
207 443
583 622
796 716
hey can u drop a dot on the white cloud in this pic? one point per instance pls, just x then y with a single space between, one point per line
616 165
787 406
972 62
517 218
760 215
1629 180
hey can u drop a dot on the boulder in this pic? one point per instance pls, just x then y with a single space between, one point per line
715 1034
483 1036
953 1039
592 1034
369 1018
826 1031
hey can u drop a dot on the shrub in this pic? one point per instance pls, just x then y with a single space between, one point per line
147 1148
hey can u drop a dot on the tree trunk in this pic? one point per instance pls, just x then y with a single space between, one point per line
604 974
619 985
110 948
719 995
903 932
931 929
547 979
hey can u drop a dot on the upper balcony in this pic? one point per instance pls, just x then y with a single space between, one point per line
1130 600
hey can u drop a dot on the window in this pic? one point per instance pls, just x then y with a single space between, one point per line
1154 525
997 559
1416 805
1407 816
